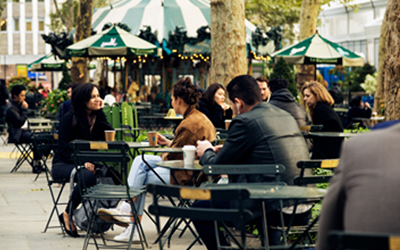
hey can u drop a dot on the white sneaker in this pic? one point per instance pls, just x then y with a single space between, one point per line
124 236
115 215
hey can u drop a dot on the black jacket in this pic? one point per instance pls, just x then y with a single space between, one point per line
76 126
215 113
283 99
357 112
328 148
16 116
264 135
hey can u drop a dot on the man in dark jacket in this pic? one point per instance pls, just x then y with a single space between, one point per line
16 115
259 134
283 99
3 100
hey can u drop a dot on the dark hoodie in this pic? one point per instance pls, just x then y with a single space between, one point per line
283 99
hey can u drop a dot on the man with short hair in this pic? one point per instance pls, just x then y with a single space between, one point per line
16 115
263 84
259 134
283 99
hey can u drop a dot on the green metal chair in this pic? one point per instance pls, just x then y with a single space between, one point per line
219 216
341 240
105 153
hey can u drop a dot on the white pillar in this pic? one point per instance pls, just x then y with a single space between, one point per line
47 9
22 27
35 27
10 27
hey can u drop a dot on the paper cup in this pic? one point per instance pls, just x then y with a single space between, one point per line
188 155
152 138
110 135
227 123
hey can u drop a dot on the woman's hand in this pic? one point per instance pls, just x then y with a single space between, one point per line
161 140
90 166
225 106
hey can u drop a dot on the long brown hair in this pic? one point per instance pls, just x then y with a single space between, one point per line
320 92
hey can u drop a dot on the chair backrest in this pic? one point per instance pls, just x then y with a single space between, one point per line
238 215
340 240
302 179
247 169
107 112
127 122
101 153
39 124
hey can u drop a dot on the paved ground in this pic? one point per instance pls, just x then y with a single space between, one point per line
25 206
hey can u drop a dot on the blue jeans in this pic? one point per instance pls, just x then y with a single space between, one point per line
141 175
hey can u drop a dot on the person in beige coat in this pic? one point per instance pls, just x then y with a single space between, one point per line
194 126
363 195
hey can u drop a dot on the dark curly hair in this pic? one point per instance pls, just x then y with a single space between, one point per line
186 90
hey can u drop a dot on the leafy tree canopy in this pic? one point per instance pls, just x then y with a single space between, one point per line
270 13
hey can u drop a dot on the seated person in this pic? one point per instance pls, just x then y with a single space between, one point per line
283 99
259 134
85 121
362 194
65 106
319 103
212 104
194 126
262 82
357 109
16 115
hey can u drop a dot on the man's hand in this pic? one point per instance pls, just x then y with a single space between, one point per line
25 104
217 148
161 140
90 166
366 105
202 146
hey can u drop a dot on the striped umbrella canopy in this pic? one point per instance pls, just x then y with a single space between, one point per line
46 63
162 16
318 50
112 42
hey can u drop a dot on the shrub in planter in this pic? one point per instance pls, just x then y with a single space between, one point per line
50 106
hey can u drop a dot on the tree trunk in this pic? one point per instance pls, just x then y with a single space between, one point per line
228 41
381 59
2 5
83 30
308 26
392 64
308 18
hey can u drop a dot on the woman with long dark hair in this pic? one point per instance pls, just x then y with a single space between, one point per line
212 104
85 121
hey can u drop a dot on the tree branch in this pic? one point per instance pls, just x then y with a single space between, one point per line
59 13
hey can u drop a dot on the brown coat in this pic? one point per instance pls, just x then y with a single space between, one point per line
194 126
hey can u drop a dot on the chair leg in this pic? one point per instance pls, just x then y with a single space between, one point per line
55 208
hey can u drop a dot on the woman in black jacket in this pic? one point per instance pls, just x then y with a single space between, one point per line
212 104
85 121
319 103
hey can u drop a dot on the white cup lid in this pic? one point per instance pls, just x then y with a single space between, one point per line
189 147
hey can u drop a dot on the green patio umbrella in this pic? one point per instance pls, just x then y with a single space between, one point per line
318 50
46 63
112 42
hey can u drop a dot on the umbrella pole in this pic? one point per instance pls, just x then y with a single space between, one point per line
126 75
163 78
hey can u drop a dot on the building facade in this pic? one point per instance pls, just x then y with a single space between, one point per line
358 31
21 27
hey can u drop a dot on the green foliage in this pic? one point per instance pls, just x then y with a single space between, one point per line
56 23
369 84
19 80
353 76
283 70
66 78
54 100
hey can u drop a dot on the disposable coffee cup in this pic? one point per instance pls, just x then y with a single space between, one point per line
227 123
152 138
188 155
110 135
